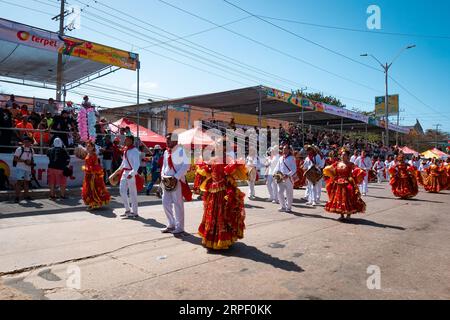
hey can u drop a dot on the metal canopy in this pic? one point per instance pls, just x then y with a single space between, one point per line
247 101
32 64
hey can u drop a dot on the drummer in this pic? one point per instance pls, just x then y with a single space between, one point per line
313 160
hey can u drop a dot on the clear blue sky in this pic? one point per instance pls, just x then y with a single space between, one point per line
424 70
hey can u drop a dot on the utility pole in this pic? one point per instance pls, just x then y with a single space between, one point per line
386 68
59 71
436 134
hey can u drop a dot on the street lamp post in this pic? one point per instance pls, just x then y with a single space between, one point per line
386 68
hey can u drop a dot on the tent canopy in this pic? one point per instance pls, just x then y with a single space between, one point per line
195 136
429 155
30 54
439 153
407 150
148 137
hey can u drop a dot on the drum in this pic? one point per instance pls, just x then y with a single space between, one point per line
169 183
314 175
279 177
114 179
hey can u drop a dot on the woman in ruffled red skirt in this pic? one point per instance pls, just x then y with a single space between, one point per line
403 179
224 214
342 187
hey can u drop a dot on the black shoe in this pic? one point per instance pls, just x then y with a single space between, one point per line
17 200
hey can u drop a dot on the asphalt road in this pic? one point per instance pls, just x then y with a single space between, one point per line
60 251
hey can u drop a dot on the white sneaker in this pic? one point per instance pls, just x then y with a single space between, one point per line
313 204
308 203
274 201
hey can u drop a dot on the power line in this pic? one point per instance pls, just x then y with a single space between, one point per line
270 47
357 30
302 37
27 8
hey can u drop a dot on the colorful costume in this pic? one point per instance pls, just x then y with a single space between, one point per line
342 187
224 214
94 192
435 181
301 179
404 180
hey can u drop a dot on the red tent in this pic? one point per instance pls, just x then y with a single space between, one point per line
148 137
407 150
195 137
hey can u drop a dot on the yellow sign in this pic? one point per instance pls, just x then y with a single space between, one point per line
380 110
99 53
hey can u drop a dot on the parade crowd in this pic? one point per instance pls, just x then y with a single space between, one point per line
345 167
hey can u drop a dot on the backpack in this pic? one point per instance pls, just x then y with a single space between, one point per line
21 154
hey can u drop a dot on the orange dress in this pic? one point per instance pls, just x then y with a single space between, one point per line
404 181
94 192
435 182
224 214
342 187
447 170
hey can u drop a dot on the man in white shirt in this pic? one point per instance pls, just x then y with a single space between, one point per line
424 165
414 162
130 165
364 163
287 166
175 164
354 157
253 164
271 163
379 168
313 190
22 163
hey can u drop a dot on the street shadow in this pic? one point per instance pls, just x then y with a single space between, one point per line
250 206
31 204
363 222
150 223
311 216
422 200
104 212
243 251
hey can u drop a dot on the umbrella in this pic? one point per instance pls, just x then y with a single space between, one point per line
195 136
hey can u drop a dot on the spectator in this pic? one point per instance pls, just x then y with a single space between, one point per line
157 162
35 119
51 108
15 110
49 119
24 110
6 122
59 161
11 102
42 133
61 125
23 163
24 124
117 154
108 153
143 162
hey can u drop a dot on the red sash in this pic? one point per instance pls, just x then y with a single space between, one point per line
185 189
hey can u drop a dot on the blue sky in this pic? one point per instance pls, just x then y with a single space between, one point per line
423 71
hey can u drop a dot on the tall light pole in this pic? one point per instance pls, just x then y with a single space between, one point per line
386 68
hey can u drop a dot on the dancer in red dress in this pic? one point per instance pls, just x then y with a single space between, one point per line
94 192
435 181
224 214
342 187
300 179
403 179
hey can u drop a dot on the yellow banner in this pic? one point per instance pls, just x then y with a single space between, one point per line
99 53
380 110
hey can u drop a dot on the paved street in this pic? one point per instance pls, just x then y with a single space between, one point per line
304 255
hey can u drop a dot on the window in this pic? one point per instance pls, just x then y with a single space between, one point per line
177 122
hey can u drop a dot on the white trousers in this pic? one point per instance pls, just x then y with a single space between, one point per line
272 187
313 192
251 188
380 176
129 185
286 194
174 207
318 190
364 187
